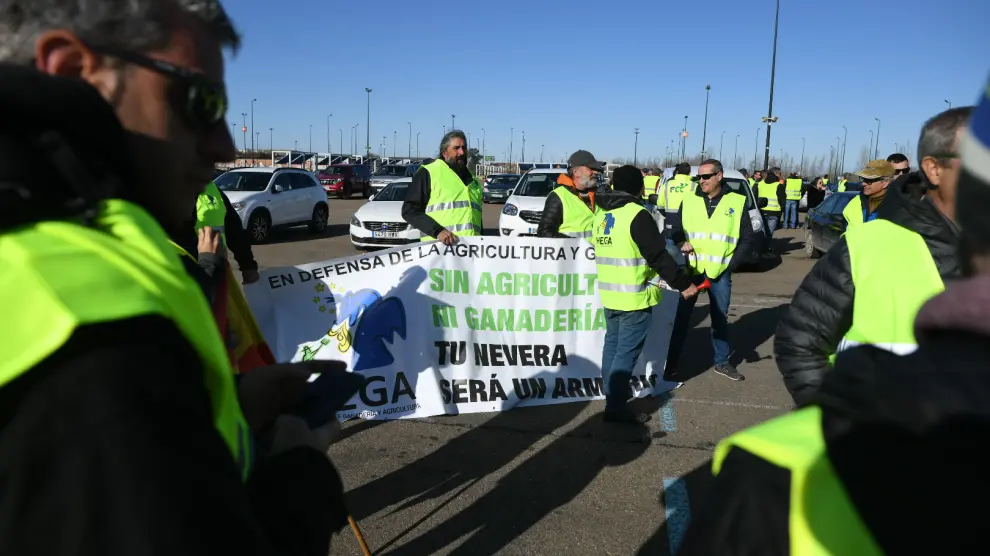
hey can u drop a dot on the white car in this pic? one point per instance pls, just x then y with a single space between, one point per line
379 222
267 198
522 211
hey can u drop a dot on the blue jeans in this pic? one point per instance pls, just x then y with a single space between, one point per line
790 214
773 220
718 309
625 335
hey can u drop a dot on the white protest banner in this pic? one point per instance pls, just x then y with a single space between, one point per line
484 325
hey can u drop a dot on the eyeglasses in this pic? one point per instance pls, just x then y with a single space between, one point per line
203 102
705 177
869 181
901 171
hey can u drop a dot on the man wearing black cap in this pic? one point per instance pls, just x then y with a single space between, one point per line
570 211
630 253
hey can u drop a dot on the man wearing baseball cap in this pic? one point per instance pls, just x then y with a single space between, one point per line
876 176
569 210
869 286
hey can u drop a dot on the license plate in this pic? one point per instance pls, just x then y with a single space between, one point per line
530 230
392 235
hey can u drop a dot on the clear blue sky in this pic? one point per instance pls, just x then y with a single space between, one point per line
583 74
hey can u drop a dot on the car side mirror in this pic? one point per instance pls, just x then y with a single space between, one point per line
371 197
762 202
652 199
511 192
277 188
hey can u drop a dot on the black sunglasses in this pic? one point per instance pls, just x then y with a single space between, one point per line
901 171
202 101
869 181
705 177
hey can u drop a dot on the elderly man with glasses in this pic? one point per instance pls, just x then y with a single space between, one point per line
716 235
876 176
870 284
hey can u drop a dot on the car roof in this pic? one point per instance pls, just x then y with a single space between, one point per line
266 169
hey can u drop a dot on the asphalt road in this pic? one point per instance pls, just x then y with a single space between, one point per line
556 480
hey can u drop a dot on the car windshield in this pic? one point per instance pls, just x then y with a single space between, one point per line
536 185
391 170
337 170
394 192
742 188
502 182
243 181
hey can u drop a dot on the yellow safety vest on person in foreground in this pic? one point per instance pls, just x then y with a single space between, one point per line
211 210
894 275
453 205
60 276
674 192
650 186
768 191
822 519
714 239
579 219
624 278
792 189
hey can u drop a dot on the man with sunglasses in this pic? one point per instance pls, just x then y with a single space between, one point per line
869 285
716 234
123 429
876 176
901 164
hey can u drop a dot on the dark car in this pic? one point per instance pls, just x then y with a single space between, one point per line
343 180
497 187
825 224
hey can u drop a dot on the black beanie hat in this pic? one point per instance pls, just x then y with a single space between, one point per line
628 179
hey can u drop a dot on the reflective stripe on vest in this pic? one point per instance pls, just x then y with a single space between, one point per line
894 275
853 213
822 519
674 191
211 210
624 278
453 205
792 189
578 218
714 239
650 185
768 191
60 276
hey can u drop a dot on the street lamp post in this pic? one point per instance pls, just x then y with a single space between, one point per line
684 136
271 138
512 132
773 73
950 104
244 130
541 153
704 129
838 153
483 151
233 134
636 146
802 156
395 139
253 147
329 149
735 151
453 118
523 156
720 141
417 144
845 135
367 135
876 153
410 140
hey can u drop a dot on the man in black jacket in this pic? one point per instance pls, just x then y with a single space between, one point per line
453 150
109 438
886 420
821 311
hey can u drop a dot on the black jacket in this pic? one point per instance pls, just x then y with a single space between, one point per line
821 310
553 213
900 435
648 238
418 196
108 446
746 235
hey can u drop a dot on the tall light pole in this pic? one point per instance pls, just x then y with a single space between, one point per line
271 138
512 132
523 157
636 146
233 134
395 139
453 118
838 151
384 146
244 129
684 136
802 156
704 129
483 151
253 147
329 150
354 132
417 144
735 151
845 135
310 138
876 153
541 153
871 145
773 74
720 141
367 135
410 140
950 104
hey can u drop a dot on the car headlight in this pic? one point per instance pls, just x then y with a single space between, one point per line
355 221
484 189
237 206
510 210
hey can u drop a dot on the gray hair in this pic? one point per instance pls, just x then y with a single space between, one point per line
134 25
938 135
448 137
716 165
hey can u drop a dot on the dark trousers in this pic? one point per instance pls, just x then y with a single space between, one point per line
718 308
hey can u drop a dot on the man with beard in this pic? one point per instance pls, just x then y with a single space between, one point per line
123 431
869 285
876 176
444 196
569 211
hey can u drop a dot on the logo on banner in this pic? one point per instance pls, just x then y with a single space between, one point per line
364 322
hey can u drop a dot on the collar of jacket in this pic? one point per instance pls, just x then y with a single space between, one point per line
721 193
62 149
610 199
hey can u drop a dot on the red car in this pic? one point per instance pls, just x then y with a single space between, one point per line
343 180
